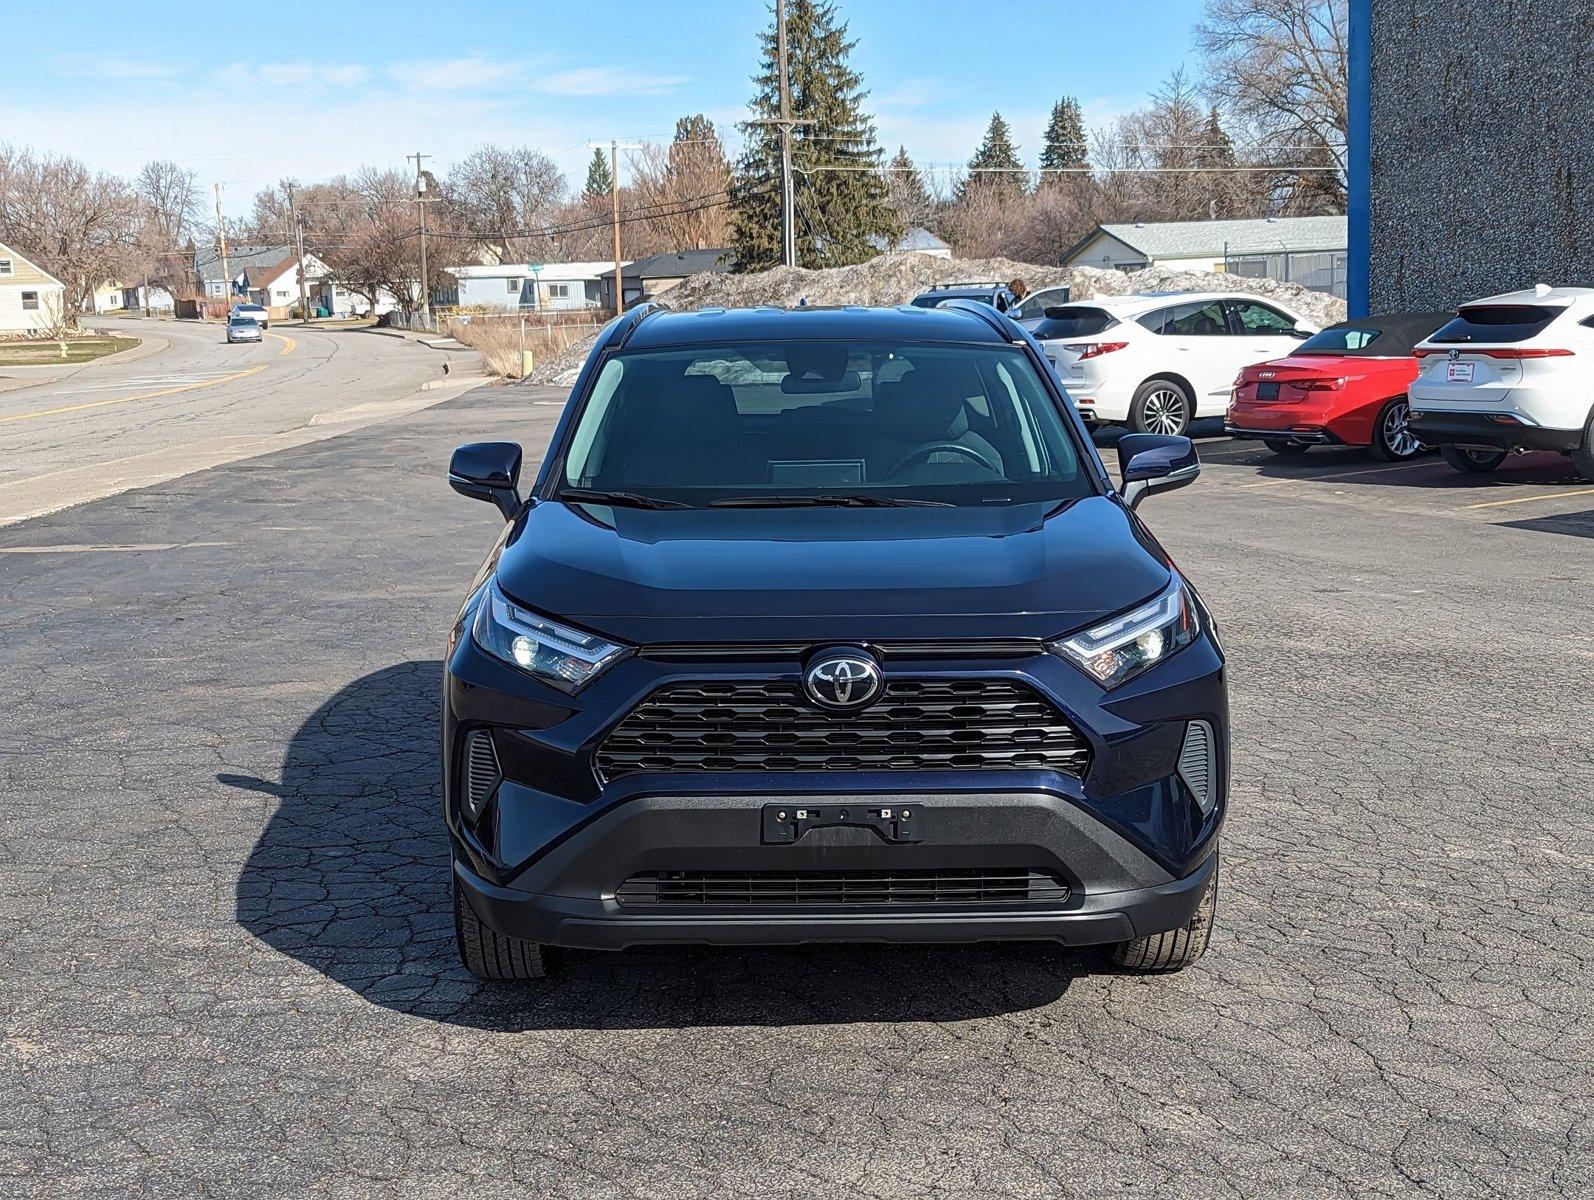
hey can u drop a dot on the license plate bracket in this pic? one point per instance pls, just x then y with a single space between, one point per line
786 823
1267 391
1458 372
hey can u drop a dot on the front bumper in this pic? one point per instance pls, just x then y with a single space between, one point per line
1444 428
550 855
1114 892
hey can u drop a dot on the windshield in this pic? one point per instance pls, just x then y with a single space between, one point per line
1498 323
800 422
1338 340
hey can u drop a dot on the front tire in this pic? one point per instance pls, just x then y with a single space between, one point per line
1472 462
1161 406
1177 948
1393 440
488 954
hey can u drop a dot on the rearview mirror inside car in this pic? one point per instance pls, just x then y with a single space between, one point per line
1155 462
488 471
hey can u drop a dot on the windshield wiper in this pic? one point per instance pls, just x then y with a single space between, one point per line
621 499
826 502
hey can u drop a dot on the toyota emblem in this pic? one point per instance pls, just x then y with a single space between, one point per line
843 679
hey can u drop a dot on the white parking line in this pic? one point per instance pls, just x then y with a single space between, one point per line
1335 475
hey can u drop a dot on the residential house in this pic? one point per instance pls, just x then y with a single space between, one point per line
917 240
246 265
106 297
530 287
1311 251
649 278
31 299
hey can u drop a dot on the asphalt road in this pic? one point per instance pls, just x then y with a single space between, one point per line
226 962
185 400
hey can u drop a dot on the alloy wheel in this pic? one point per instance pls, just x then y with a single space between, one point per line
1397 433
1164 411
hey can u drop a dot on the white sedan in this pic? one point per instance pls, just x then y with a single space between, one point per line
1158 362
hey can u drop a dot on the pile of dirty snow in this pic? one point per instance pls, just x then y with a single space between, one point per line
897 278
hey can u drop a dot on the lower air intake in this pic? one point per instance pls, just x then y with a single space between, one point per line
481 772
929 887
1196 764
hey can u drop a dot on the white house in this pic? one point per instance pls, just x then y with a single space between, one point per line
918 240
1311 251
31 299
531 287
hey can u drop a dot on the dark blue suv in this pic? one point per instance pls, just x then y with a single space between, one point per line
828 625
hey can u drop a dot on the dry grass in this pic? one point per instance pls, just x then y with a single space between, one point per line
498 340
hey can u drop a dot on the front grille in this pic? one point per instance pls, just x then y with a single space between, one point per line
830 889
917 725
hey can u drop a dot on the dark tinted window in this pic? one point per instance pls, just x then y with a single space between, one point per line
1498 323
1073 321
1199 318
953 423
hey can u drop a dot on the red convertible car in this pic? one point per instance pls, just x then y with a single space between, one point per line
1345 386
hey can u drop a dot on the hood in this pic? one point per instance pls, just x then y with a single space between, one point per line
817 574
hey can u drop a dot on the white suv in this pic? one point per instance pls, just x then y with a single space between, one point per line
1510 372
1156 362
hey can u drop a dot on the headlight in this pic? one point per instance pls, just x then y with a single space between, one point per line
1119 649
556 654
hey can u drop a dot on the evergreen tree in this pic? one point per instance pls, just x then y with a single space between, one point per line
994 167
838 211
1066 149
599 180
909 195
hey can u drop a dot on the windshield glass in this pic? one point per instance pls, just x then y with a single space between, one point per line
795 421
1498 323
1338 340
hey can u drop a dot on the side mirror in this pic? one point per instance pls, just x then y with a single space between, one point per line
488 471
1155 462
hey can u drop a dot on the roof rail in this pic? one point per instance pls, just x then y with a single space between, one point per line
630 320
986 313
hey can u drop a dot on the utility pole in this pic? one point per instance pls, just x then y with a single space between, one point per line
614 209
614 205
226 276
788 224
421 201
298 242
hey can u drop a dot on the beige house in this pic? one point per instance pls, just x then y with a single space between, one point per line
31 299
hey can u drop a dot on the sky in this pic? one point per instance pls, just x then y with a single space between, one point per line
249 92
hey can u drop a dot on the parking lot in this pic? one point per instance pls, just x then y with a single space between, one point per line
226 953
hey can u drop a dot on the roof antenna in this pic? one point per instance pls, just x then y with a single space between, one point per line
802 301
1542 289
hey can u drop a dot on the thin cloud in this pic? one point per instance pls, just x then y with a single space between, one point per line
606 81
91 66
316 76
468 74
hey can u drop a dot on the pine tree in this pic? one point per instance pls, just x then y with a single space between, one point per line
908 194
1066 150
838 211
599 180
994 167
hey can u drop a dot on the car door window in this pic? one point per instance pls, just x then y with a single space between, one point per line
1197 319
1258 320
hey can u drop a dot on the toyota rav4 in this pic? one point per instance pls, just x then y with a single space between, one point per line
828 625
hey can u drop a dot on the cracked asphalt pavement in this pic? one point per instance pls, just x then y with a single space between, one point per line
226 960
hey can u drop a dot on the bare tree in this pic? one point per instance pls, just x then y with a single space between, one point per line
78 224
499 192
679 190
1280 66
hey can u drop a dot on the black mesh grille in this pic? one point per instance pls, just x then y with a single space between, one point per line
917 725
829 889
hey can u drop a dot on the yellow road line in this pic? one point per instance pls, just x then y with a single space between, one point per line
1530 499
171 391
287 343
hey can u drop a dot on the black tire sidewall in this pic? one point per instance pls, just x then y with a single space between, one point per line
1460 460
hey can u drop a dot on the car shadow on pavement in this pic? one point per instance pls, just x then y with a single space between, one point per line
350 878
